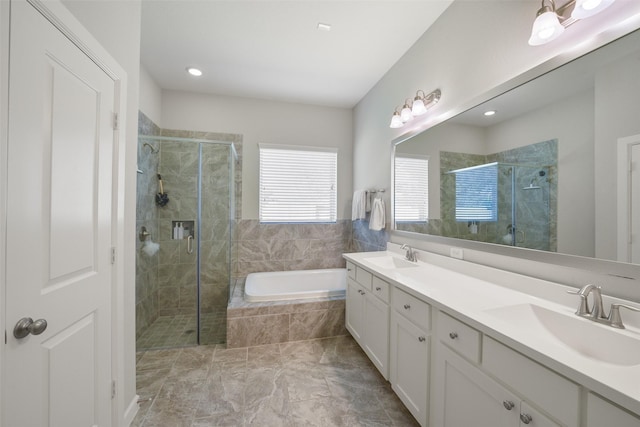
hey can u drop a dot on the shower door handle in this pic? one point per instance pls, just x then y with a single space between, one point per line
190 244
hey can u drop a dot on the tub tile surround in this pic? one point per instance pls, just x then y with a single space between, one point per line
251 324
323 382
285 247
470 292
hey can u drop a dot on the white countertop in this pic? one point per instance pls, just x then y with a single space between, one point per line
464 290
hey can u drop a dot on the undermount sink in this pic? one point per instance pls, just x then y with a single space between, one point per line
390 262
583 336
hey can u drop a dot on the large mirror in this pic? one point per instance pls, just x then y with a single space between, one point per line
544 172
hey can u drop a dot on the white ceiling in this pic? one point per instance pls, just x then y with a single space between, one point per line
273 49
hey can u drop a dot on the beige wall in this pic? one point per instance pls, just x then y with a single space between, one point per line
150 97
260 121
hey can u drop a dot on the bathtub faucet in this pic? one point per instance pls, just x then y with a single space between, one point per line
411 255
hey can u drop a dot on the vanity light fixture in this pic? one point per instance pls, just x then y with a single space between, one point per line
419 106
194 71
551 22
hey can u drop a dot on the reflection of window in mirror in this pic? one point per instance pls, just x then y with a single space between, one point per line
477 193
411 189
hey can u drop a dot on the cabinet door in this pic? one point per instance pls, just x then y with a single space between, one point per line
465 396
355 310
602 413
410 366
376 332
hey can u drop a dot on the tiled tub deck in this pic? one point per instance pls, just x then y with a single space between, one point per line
258 323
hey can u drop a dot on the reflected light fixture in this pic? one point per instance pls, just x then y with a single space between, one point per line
419 106
490 113
194 71
551 22
586 8
547 26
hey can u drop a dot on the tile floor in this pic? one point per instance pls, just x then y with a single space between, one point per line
180 331
324 382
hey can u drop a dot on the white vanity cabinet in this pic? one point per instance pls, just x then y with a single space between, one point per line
367 315
498 386
410 349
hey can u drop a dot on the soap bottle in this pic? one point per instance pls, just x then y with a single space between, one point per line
180 231
175 230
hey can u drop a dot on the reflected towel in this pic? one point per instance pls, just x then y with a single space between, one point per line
377 220
359 205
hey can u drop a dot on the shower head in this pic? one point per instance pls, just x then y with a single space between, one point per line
153 149
532 185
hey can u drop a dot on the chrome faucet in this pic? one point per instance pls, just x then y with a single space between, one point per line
411 255
597 312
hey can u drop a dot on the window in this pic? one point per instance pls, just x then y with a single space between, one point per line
477 193
298 184
411 182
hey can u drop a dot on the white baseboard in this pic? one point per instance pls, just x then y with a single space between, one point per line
131 411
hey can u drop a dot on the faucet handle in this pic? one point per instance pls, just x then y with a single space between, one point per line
583 309
614 315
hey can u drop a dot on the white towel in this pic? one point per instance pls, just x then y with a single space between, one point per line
377 220
359 205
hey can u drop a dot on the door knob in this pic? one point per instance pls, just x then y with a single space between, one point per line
26 326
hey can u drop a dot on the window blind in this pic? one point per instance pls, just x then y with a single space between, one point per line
411 193
298 185
477 193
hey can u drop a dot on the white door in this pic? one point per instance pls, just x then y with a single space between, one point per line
628 195
60 153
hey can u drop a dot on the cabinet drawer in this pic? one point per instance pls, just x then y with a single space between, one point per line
459 336
558 396
419 312
351 270
363 277
380 288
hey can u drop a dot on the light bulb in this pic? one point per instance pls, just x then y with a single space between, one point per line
418 107
586 8
396 121
546 27
405 114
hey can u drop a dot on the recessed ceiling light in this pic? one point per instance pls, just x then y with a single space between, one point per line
324 27
194 71
490 113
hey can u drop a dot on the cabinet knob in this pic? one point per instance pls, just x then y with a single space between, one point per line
407 306
378 288
422 339
525 418
508 405
453 335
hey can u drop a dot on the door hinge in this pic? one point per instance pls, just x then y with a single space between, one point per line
115 121
113 389
113 255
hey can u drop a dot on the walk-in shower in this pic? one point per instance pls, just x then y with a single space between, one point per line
524 208
182 289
